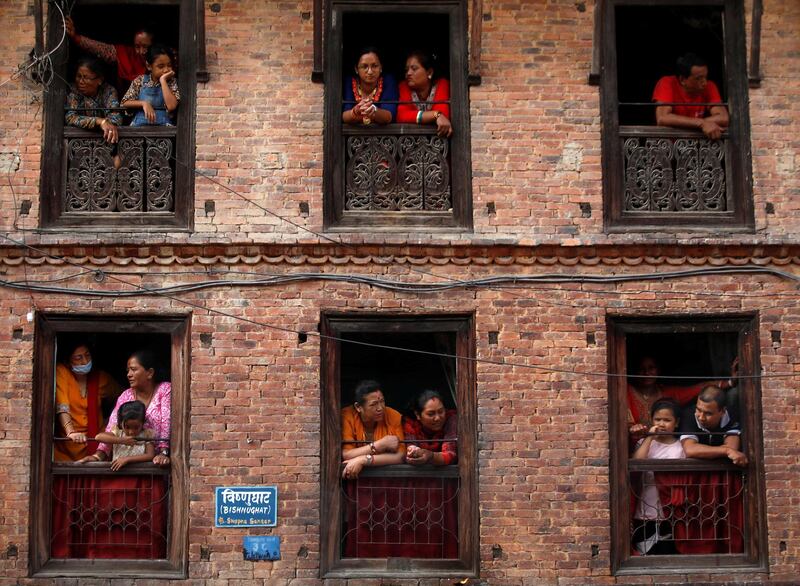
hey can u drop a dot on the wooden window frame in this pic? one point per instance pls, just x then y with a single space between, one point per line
332 565
48 327
335 217
739 181
53 170
755 556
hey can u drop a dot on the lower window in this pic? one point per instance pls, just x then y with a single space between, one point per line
399 480
687 489
102 506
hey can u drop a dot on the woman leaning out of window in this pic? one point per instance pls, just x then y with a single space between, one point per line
424 99
433 429
155 394
371 431
91 102
366 92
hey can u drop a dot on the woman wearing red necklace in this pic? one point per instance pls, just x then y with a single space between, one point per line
423 98
365 94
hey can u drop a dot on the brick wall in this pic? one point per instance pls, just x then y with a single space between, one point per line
535 130
543 437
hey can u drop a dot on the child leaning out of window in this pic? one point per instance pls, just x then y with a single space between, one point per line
155 94
129 439
652 531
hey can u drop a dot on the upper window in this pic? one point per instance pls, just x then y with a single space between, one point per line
675 119
399 482
108 498
397 117
118 139
687 489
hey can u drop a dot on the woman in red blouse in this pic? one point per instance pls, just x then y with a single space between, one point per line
129 59
434 430
423 99
432 440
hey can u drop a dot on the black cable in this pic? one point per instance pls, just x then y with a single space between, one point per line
384 346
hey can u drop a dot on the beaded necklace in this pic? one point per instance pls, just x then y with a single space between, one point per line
375 95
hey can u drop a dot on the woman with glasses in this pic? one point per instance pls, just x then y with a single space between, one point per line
366 93
91 103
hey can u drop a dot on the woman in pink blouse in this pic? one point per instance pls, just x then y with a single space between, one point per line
145 386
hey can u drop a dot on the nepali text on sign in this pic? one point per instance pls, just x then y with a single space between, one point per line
246 506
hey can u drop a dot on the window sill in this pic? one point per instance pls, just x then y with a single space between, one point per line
707 564
116 223
408 471
108 568
104 469
371 221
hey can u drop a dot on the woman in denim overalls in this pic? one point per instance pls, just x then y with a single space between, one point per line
154 94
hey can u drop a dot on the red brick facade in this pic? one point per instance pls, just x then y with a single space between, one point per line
543 437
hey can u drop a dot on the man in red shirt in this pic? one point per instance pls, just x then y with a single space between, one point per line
691 86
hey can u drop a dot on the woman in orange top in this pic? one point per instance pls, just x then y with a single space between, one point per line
80 390
369 420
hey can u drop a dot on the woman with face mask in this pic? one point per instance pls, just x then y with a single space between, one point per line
80 390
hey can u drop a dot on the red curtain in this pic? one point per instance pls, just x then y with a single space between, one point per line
401 518
706 510
109 517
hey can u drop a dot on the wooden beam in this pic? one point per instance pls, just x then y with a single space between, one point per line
317 73
755 44
476 30
38 23
594 71
200 39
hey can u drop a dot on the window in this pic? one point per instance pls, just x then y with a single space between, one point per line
418 521
146 180
710 513
397 176
658 177
85 519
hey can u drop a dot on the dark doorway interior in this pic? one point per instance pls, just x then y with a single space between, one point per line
402 374
651 38
395 35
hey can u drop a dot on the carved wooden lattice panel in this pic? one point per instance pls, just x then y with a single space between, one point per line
674 175
135 176
397 173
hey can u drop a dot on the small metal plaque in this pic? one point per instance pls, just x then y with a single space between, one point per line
262 547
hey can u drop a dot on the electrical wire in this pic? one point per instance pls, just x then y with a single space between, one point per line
43 76
396 285
388 347
195 171
499 283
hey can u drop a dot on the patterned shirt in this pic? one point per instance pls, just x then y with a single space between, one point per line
157 415
147 81
78 116
123 451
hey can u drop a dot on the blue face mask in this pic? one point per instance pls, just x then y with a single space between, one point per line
82 368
